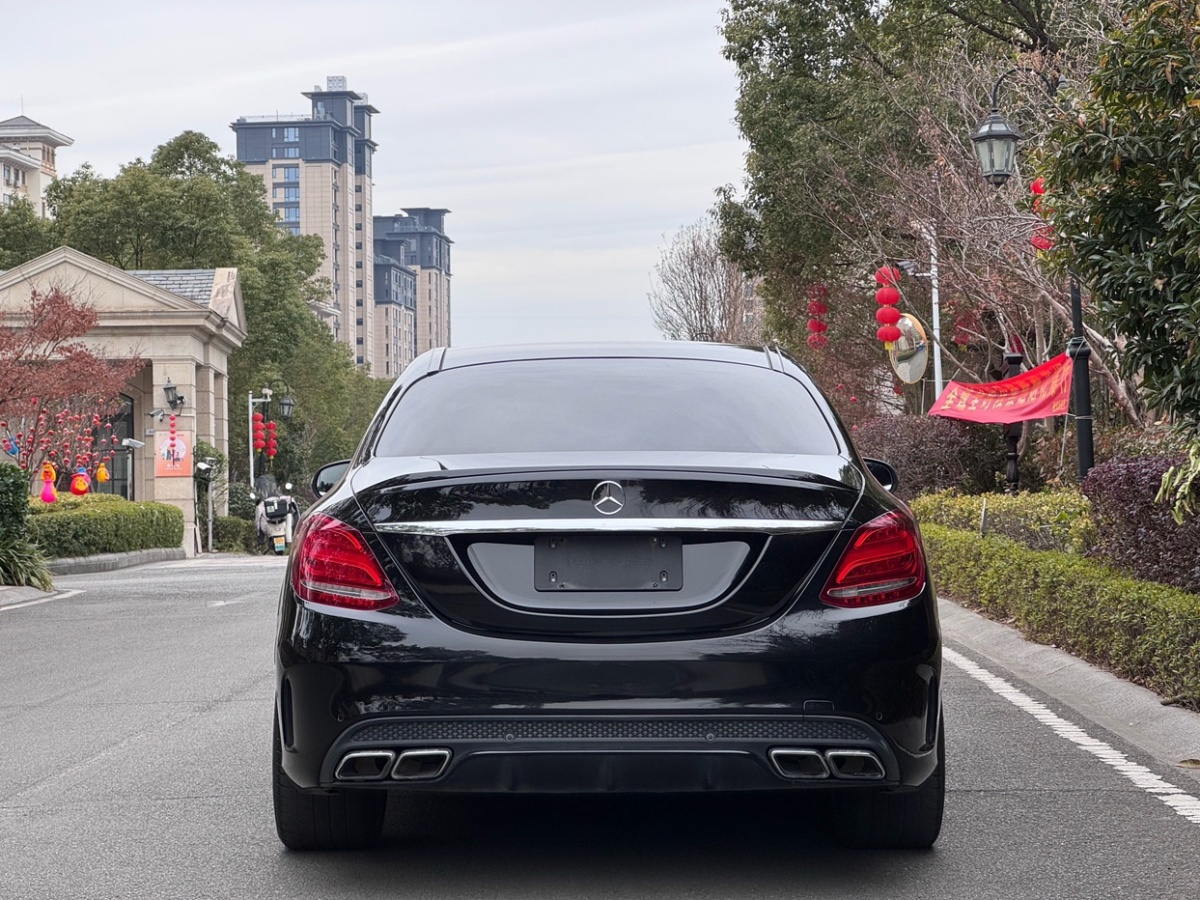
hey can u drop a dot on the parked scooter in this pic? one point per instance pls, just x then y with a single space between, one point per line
275 514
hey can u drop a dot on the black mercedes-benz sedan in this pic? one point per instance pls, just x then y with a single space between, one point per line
642 568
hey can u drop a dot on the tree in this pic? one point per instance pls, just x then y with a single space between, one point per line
1124 194
698 291
857 116
55 392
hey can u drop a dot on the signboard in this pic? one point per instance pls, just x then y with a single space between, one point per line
173 457
1036 394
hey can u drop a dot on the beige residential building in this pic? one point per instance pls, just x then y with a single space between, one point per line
317 170
27 155
417 238
184 324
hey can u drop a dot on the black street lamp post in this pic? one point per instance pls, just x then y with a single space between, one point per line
996 146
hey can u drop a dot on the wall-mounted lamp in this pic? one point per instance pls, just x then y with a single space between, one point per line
175 400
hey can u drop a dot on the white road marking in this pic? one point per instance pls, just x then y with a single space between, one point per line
223 603
1180 801
59 595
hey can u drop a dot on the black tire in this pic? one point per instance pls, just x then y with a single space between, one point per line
324 820
900 821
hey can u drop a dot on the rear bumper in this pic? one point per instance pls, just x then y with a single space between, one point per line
573 754
695 715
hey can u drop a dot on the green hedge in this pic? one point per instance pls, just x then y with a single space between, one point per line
1146 632
1059 520
102 523
14 502
234 535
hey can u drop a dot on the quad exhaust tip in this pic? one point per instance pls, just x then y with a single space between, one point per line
803 764
420 765
854 765
365 765
799 764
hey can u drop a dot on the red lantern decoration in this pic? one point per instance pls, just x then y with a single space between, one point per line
816 326
887 315
817 292
817 308
889 334
888 276
817 341
887 296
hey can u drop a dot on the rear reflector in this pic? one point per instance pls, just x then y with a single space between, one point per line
334 566
883 564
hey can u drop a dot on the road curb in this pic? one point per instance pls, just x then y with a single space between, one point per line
108 562
1135 714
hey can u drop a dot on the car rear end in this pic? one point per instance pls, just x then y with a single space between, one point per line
570 574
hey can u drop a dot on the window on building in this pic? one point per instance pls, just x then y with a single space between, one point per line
358 189
285 152
291 213
291 134
360 360
358 283
358 245
291 193
358 321
291 173
358 341
274 193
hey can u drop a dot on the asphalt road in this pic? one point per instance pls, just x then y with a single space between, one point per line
134 763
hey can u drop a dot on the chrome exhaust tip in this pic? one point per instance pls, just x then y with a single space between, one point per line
365 765
855 765
798 764
420 765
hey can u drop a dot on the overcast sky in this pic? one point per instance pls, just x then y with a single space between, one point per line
569 138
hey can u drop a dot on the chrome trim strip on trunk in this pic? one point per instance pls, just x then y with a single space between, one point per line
557 526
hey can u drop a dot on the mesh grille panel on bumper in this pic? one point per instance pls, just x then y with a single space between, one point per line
513 729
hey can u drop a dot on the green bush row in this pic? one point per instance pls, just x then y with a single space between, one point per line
234 535
1059 520
84 526
1145 632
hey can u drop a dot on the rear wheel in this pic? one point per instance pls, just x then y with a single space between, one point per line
907 821
324 820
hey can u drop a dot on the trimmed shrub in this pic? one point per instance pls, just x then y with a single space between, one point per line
1136 534
14 501
1058 520
101 523
933 454
234 535
1144 632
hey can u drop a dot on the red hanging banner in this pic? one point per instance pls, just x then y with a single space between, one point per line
1036 394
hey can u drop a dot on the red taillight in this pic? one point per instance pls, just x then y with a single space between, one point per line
883 564
333 565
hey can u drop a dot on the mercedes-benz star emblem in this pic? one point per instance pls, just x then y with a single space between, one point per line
609 498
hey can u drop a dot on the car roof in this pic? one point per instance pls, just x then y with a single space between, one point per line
456 357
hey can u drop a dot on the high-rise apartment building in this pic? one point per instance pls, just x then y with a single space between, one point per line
27 154
417 238
317 170
395 316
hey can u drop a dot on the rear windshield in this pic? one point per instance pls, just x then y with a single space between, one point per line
573 405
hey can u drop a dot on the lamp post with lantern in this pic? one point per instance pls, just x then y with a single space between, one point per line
996 143
286 405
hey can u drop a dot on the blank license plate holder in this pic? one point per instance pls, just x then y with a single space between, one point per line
608 562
